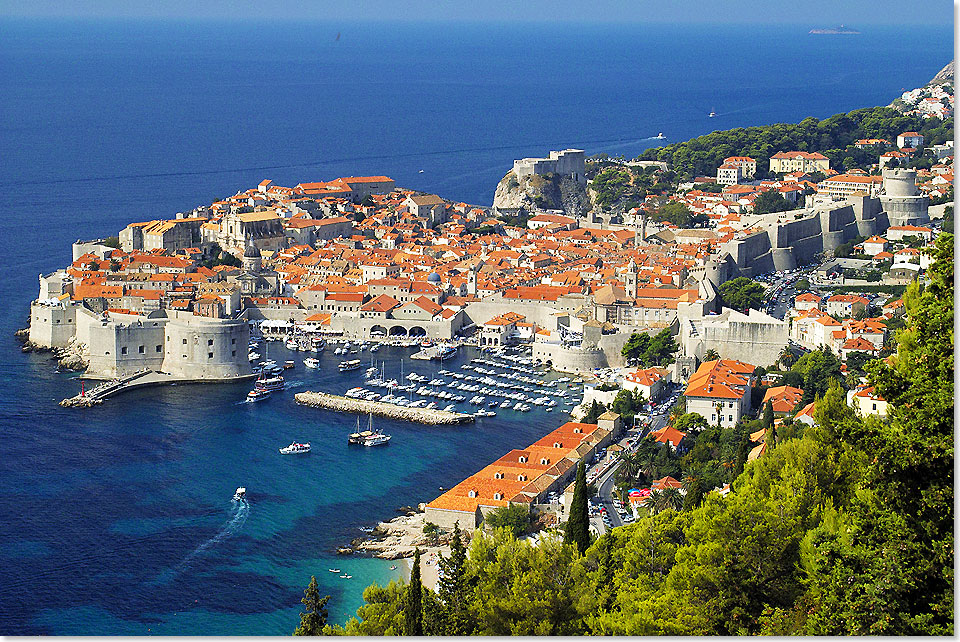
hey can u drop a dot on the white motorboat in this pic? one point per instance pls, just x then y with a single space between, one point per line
241 494
291 344
295 448
311 362
353 364
257 394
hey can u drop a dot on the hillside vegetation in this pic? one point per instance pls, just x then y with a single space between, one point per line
832 137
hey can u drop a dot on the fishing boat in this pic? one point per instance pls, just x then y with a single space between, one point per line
257 394
311 362
295 448
346 366
241 494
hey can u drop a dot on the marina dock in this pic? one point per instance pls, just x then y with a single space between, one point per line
427 416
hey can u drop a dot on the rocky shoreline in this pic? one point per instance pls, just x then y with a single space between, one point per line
398 538
68 358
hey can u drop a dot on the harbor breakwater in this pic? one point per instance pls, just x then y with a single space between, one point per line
427 416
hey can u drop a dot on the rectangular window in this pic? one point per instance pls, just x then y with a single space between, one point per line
209 342
184 342
234 353
233 342
209 355
159 348
140 349
123 350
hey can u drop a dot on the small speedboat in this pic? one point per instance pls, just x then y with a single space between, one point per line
295 448
241 494
311 362
334 570
257 394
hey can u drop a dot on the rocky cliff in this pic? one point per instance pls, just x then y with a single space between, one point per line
541 192
944 75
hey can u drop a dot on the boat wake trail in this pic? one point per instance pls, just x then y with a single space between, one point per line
240 513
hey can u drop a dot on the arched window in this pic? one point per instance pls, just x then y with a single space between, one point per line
544 461
557 444
521 477
523 459
498 495
498 475
472 493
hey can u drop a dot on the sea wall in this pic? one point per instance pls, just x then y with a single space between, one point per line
346 404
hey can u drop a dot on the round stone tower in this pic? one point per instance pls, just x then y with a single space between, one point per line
901 201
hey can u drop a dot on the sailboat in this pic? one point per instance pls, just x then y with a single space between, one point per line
369 437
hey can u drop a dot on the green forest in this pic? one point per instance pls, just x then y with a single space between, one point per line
841 528
833 137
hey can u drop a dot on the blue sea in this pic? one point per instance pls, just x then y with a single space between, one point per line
118 520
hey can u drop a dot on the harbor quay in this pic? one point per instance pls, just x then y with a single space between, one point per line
426 416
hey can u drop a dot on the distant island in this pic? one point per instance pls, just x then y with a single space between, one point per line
841 30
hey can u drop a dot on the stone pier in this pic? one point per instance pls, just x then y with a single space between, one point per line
427 416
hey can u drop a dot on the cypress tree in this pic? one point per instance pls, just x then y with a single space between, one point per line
452 587
313 621
768 414
578 524
413 609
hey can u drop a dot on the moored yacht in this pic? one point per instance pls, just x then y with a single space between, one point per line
345 366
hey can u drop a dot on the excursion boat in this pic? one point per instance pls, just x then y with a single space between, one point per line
446 352
291 344
369 437
311 362
240 495
295 448
257 394
346 366
269 383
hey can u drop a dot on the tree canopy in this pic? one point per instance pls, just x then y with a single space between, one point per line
646 351
742 293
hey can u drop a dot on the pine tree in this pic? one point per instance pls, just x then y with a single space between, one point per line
578 524
413 609
452 587
313 621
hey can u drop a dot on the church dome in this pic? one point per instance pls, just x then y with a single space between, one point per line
251 252
434 278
